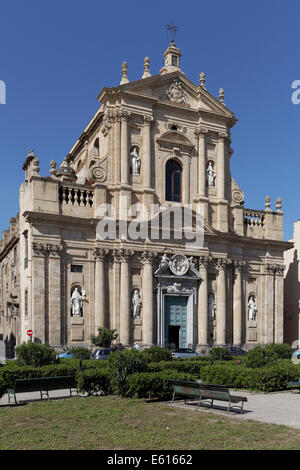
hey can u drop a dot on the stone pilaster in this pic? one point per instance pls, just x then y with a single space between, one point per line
147 298
124 148
38 293
221 166
100 289
54 296
279 273
125 317
237 303
146 162
269 298
116 291
202 160
221 303
202 303
117 148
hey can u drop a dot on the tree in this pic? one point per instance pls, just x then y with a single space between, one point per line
104 337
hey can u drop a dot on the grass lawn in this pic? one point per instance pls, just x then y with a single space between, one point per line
115 423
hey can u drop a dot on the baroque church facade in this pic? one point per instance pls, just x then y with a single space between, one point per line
156 146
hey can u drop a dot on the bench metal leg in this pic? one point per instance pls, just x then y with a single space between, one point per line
173 397
44 393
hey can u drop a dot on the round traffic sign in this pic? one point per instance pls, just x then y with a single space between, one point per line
29 332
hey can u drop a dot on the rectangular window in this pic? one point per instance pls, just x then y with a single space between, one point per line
76 268
26 302
174 60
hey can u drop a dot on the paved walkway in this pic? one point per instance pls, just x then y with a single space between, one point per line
277 408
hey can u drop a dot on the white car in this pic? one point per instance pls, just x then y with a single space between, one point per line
185 353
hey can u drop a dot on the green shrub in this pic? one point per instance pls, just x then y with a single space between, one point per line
10 374
85 353
269 379
104 338
157 354
94 381
34 354
122 364
188 366
220 354
3 387
154 385
282 351
260 357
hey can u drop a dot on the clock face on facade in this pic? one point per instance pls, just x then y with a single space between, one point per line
179 264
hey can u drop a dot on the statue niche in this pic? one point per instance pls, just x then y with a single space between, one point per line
77 299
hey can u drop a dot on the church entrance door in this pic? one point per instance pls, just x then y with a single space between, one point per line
176 321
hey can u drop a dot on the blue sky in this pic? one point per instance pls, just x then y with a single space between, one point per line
55 57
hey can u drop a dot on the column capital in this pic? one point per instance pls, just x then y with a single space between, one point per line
279 270
125 255
147 119
221 263
222 136
204 261
125 115
147 257
201 131
100 254
238 265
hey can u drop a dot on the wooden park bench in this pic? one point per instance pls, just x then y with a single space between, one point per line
42 385
206 392
295 384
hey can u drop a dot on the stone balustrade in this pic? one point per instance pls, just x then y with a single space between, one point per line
76 196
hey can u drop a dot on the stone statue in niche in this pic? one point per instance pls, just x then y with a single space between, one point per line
252 309
76 302
211 175
136 303
135 162
211 305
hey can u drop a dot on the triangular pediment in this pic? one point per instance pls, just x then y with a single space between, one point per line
175 89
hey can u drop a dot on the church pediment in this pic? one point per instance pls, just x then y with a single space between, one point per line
178 266
176 89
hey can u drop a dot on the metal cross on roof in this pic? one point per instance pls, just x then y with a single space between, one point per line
173 30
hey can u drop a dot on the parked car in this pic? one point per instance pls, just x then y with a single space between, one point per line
185 353
66 355
296 354
101 353
236 351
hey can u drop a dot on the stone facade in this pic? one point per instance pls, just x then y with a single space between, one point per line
292 289
160 140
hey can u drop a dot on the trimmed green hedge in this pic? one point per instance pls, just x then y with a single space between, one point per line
187 366
154 385
269 379
94 381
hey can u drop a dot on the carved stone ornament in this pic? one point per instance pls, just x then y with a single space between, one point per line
236 192
98 172
175 92
179 264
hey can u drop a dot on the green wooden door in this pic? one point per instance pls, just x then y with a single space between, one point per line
176 315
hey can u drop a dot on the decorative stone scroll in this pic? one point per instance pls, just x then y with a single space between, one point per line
98 172
236 192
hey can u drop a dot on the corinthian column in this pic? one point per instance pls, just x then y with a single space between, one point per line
279 272
221 166
125 318
237 304
100 318
147 298
221 304
147 152
200 134
202 303
124 148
